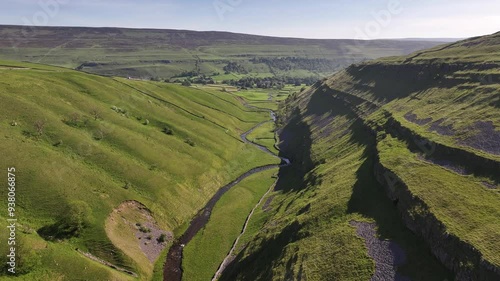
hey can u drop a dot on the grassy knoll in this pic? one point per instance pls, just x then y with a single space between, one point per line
205 252
146 53
97 141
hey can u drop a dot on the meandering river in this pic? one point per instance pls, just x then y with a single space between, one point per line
172 270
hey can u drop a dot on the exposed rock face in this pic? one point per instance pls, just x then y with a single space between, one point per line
458 256
470 161
387 255
455 254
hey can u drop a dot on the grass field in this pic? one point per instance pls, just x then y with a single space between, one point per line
97 141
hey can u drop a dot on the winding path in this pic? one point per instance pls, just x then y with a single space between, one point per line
172 270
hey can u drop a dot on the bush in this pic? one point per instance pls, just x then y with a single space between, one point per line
39 126
186 83
77 217
144 229
99 134
168 131
127 185
190 142
58 143
96 113
162 238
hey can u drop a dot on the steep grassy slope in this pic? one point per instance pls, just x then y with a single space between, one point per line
86 144
165 53
407 143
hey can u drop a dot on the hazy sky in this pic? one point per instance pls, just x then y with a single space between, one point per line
366 19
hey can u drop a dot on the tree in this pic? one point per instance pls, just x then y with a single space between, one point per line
78 215
39 127
162 238
190 142
95 113
99 134
74 117
186 83
168 131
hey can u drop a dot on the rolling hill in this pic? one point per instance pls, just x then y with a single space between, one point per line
109 170
163 54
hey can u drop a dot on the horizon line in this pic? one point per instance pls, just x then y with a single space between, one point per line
438 39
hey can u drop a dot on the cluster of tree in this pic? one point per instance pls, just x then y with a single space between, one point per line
202 79
72 222
270 82
235 68
291 63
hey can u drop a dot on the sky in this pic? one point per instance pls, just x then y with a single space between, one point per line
333 19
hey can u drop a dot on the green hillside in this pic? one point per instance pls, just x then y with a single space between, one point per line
162 54
102 161
394 168
404 148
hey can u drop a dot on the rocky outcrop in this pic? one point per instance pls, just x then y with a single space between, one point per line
470 161
460 257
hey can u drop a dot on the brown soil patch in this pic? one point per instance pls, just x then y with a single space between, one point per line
132 228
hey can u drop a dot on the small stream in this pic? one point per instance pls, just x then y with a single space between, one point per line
172 270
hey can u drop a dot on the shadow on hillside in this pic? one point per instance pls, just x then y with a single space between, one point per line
259 264
368 196
393 82
296 146
370 200
296 139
